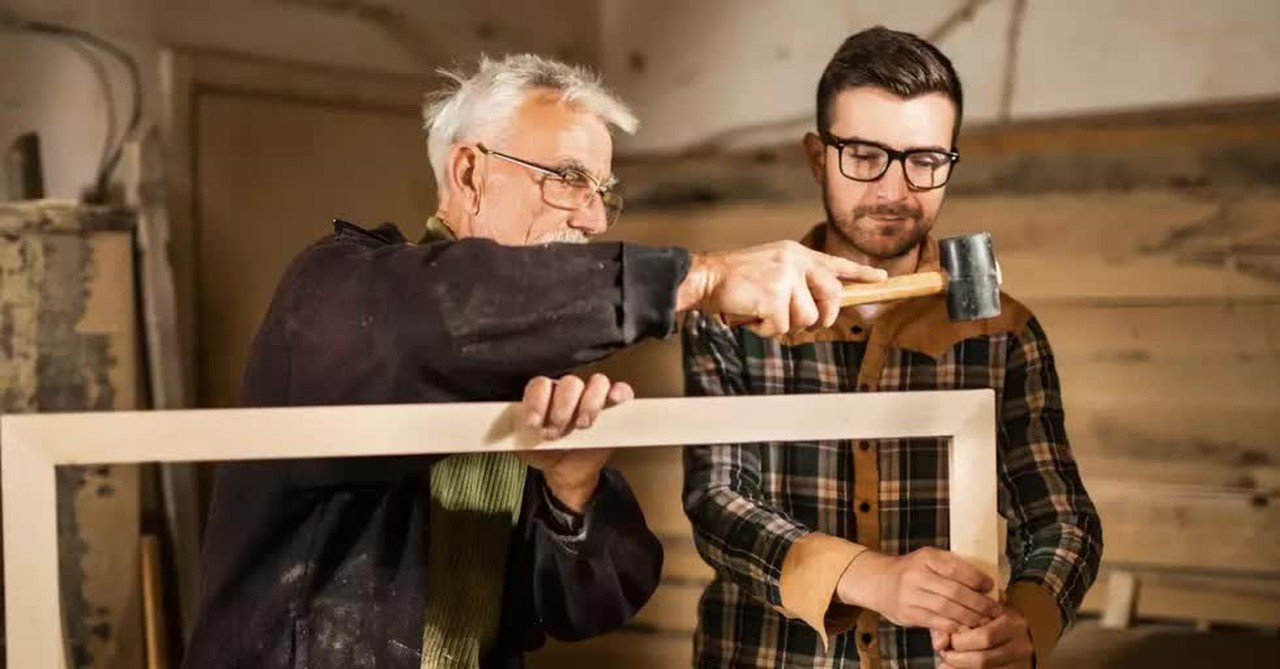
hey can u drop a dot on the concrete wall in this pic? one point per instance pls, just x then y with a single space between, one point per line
50 88
744 71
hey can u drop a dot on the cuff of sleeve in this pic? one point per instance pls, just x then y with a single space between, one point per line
810 573
563 522
650 278
1044 620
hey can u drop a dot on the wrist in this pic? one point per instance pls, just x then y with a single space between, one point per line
693 289
573 492
859 584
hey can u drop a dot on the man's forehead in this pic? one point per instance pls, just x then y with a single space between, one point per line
562 134
880 115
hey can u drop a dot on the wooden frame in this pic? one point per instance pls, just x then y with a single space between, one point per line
31 446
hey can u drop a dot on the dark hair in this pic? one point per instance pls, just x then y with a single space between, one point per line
898 62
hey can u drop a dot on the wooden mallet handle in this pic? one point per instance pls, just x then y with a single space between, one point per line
896 288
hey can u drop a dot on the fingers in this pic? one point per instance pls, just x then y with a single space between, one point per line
564 405
980 606
826 289
957 569
1002 643
1008 655
537 398
621 392
952 611
775 319
941 640
804 310
996 633
594 397
786 286
848 270
558 407
923 617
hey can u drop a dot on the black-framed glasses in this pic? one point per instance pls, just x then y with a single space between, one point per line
860 160
569 187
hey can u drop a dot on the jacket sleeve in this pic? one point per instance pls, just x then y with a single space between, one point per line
358 320
355 323
592 581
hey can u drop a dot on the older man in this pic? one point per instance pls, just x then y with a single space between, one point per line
468 561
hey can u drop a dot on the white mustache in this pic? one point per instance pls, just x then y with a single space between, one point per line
564 236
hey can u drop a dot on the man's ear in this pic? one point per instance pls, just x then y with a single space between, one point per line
465 176
815 153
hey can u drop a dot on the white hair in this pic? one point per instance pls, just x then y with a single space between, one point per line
478 106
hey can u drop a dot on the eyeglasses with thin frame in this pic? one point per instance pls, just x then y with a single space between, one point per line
866 161
569 187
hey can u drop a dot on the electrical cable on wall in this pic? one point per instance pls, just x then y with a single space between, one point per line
112 150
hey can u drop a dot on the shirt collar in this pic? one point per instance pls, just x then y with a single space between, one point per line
438 231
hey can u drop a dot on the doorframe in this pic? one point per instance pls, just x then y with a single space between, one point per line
186 75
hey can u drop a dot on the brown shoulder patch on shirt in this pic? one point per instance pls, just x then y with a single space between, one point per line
922 324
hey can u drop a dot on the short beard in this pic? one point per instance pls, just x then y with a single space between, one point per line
867 242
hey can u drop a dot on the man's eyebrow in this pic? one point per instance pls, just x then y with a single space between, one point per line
863 140
573 164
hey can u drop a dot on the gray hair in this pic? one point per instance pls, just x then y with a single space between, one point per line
479 105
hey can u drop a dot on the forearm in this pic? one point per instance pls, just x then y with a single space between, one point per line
765 552
1055 534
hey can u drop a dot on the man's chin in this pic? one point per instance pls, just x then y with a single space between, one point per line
887 249
881 246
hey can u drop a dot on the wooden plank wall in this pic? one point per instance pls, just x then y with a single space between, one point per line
1162 301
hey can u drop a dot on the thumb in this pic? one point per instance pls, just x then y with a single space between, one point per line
941 640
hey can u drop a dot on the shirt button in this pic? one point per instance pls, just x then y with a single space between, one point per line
864 445
867 638
857 329
864 507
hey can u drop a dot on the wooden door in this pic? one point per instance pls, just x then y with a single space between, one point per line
271 174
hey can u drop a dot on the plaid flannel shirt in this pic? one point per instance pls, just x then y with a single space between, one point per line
779 522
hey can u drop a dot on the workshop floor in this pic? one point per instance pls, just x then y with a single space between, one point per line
1087 646
1150 646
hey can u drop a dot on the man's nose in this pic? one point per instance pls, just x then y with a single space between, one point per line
591 218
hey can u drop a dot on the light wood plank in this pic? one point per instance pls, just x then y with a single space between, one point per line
33 444
30 560
236 434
